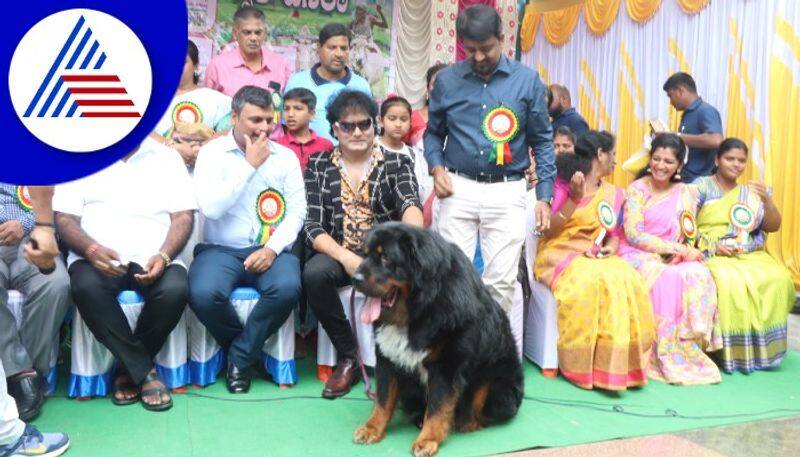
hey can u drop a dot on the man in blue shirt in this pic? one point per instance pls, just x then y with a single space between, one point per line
484 114
563 113
329 76
700 129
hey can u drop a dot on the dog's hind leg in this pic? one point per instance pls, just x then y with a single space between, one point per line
471 418
375 428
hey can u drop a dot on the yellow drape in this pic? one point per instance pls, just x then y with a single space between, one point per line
558 25
783 164
642 10
528 28
600 15
692 6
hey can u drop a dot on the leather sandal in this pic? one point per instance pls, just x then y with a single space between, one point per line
153 392
124 385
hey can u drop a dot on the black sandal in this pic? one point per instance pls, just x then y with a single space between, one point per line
120 386
156 391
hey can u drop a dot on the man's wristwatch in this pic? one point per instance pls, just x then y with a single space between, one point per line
167 260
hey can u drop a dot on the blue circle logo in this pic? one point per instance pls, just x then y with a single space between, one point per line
87 83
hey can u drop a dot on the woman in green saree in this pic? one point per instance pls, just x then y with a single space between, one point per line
755 292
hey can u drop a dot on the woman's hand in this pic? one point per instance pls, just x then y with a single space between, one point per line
577 186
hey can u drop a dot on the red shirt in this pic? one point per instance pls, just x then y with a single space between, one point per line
304 151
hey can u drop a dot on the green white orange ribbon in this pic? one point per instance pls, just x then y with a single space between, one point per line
688 226
271 208
607 218
24 198
500 126
743 220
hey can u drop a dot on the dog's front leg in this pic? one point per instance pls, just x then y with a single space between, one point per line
375 428
442 400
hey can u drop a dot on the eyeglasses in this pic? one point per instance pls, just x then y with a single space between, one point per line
350 127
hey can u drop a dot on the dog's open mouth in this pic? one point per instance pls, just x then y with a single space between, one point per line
371 310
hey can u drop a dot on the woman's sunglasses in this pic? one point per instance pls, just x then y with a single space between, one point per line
350 127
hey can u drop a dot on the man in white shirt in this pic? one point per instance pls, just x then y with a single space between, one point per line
123 226
252 195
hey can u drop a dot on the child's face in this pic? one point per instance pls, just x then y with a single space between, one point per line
296 115
396 122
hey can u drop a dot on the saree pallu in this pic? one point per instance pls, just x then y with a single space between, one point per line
684 295
755 293
605 320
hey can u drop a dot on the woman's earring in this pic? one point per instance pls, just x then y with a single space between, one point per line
647 169
678 175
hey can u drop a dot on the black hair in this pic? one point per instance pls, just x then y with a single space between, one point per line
350 101
302 95
478 23
253 95
194 55
680 79
585 151
247 12
669 141
433 71
395 100
567 132
559 90
732 143
333 29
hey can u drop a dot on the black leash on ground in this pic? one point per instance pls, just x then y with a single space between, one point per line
595 406
354 326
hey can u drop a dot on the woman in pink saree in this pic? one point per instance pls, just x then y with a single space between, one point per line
660 230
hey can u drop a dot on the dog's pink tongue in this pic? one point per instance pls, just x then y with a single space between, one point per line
371 310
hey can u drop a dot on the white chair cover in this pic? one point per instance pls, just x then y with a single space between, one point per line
540 343
326 353
92 363
207 358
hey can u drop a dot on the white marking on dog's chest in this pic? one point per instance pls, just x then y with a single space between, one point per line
393 342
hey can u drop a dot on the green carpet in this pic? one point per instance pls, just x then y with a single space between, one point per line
558 414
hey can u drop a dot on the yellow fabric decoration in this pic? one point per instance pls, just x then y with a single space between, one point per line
558 25
692 6
600 15
642 10
528 29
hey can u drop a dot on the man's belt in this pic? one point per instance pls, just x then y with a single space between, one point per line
488 179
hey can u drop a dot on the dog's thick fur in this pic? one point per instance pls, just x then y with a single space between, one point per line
445 349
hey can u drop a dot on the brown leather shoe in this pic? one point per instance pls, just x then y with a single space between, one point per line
343 377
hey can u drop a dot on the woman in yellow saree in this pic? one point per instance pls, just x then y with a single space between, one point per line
605 318
754 292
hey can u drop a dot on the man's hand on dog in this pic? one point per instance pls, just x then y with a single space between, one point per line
350 261
442 184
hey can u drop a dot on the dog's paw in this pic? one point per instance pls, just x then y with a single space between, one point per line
366 435
473 426
424 448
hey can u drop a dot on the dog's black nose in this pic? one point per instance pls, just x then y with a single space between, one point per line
358 278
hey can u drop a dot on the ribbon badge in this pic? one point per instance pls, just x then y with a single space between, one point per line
271 208
24 198
743 220
500 126
688 226
607 219
187 112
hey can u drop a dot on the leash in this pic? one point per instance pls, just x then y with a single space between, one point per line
354 326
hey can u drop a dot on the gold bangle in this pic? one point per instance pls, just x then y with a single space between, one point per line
167 260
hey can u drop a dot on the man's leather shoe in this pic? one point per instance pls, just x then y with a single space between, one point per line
238 380
28 392
343 377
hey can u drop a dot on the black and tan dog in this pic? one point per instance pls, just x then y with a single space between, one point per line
444 347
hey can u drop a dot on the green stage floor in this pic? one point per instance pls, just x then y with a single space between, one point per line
296 422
